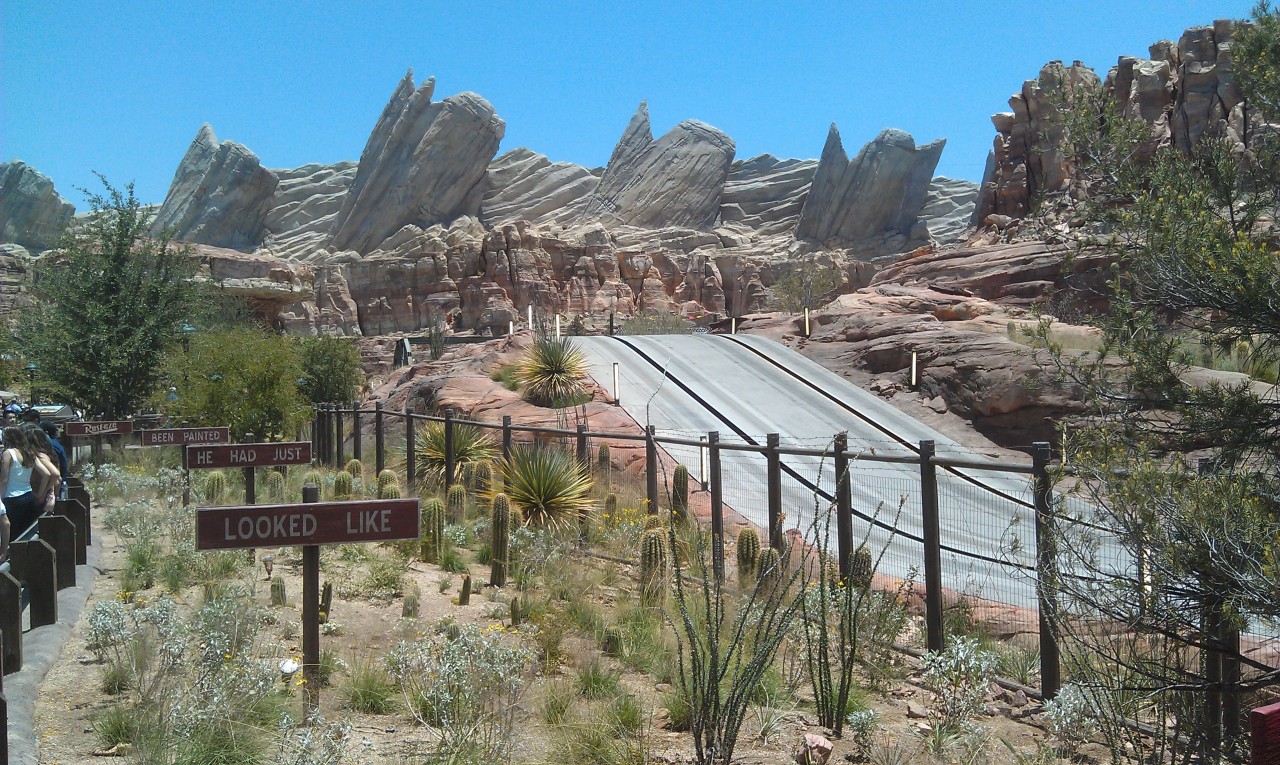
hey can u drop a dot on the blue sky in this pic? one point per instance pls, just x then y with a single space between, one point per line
122 87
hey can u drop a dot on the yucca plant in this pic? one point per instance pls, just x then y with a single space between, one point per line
550 372
548 486
470 444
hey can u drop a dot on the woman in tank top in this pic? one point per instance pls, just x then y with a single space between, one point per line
16 469
45 474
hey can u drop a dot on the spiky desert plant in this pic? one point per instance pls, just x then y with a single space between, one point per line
680 492
313 478
769 568
861 568
326 602
388 485
604 465
409 608
550 372
457 501
275 486
653 568
499 535
215 486
482 477
748 553
343 485
355 467
548 486
611 506
277 589
431 541
470 444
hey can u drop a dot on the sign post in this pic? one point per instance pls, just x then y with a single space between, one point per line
96 430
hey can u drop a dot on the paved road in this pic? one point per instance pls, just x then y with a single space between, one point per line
743 388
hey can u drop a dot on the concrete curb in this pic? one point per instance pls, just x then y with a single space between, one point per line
41 648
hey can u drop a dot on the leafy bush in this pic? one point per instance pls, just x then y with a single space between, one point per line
959 675
331 368
656 322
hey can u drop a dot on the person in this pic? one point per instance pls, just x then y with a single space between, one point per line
13 407
46 478
59 452
16 471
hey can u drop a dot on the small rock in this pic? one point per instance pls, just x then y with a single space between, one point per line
1019 699
915 711
937 404
990 710
813 750
662 687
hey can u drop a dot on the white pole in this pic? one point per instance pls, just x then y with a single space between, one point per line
733 326
530 314
617 398
702 462
511 328
806 322
914 379
557 325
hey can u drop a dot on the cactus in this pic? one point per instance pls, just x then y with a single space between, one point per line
355 468
432 537
499 534
653 569
748 549
611 506
313 478
326 602
482 477
277 589
464 596
612 642
342 485
680 492
604 465
388 485
769 570
457 503
861 568
275 486
517 614
409 609
215 487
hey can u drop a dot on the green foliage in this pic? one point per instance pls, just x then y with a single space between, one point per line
389 489
680 492
343 485
807 284
656 322
470 444
768 567
508 375
595 681
499 536
215 487
245 377
275 486
117 297
748 555
548 486
550 372
457 503
653 568
330 369
432 538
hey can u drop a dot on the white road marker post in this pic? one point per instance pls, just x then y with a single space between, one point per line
806 322
915 380
529 312
557 325
702 462
733 326
511 328
617 399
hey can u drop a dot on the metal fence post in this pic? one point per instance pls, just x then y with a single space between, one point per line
1046 572
717 503
506 438
379 445
584 459
339 457
932 547
450 459
315 432
356 451
411 458
651 469
774 467
844 504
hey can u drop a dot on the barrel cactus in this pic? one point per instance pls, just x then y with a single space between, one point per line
748 551
611 507
343 485
431 541
482 477
680 492
388 485
457 503
313 478
355 468
769 570
604 465
499 535
653 569
861 568
275 486
215 486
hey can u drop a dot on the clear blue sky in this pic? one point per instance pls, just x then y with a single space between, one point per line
122 87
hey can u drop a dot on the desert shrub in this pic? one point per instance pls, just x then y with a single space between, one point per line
550 372
959 677
548 486
368 688
470 444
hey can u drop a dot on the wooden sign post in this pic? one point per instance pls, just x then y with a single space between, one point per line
97 430
308 525
186 437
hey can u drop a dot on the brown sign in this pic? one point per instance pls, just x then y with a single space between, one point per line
105 428
186 436
247 455
319 523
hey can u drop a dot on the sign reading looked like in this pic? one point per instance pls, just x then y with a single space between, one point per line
247 455
186 436
104 428
317 523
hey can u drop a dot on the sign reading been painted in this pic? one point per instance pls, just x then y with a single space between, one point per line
247 455
186 436
319 523
104 428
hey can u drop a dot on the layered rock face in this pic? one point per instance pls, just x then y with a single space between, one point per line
424 164
1183 91
524 185
878 193
220 195
766 194
32 213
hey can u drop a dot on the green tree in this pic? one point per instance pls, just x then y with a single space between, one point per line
330 368
245 378
808 284
109 302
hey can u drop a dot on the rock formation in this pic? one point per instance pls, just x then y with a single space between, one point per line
32 214
304 207
766 194
524 185
877 194
948 208
424 164
1183 91
220 195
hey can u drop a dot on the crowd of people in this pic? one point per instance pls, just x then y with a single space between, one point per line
33 464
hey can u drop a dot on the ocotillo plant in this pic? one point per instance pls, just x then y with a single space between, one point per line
604 466
432 539
680 492
748 552
342 485
499 534
769 569
653 568
861 568
388 485
482 477
457 503
215 486
275 486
